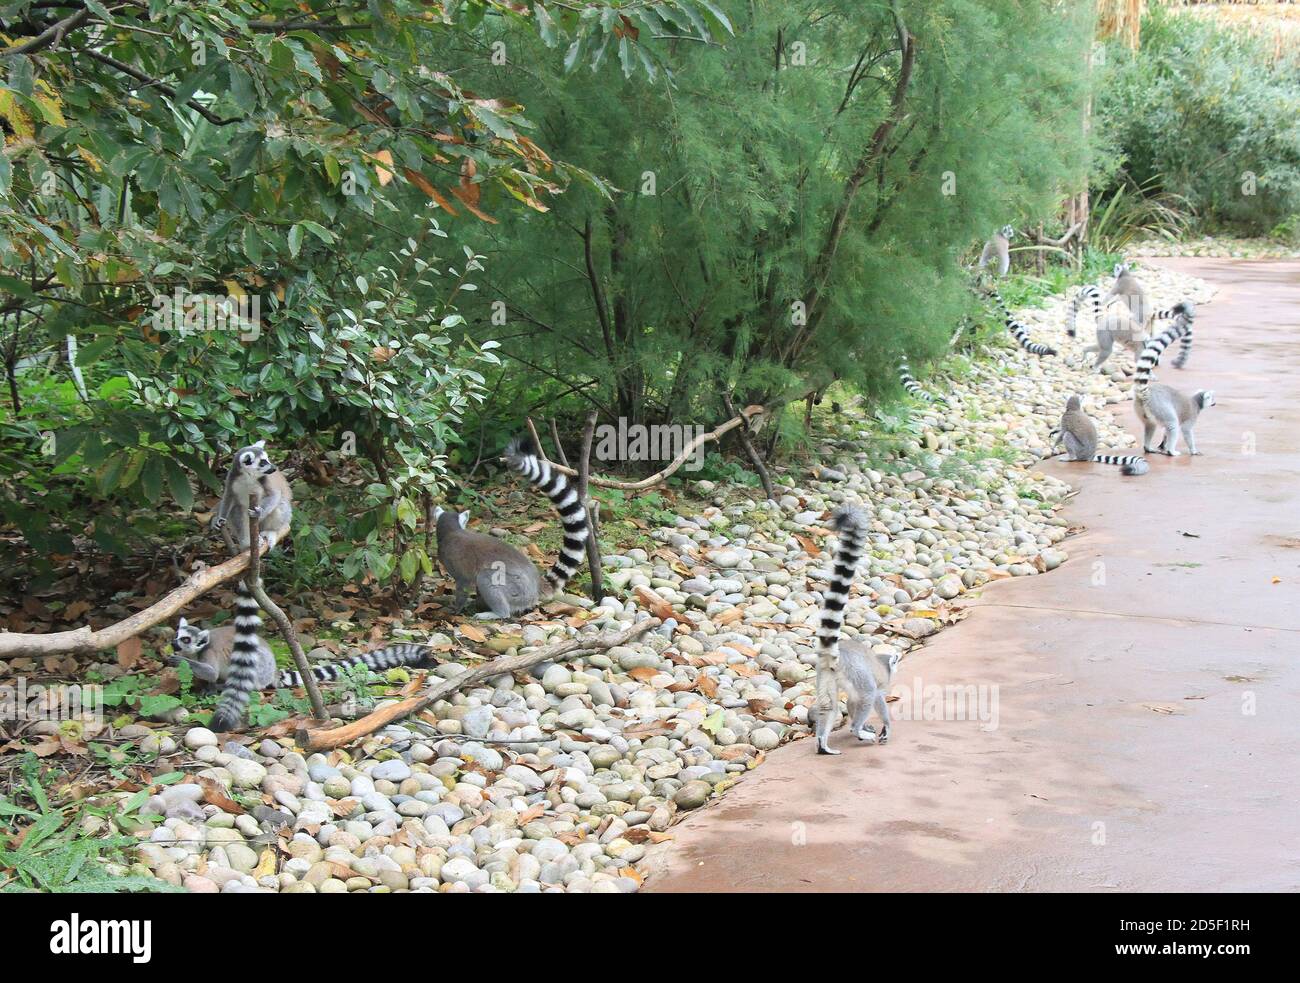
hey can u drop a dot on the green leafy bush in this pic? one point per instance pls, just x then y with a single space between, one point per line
1207 113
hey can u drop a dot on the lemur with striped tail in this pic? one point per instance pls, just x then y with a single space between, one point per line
506 580
1018 330
236 658
522 456
1130 290
1158 405
864 675
999 248
1079 435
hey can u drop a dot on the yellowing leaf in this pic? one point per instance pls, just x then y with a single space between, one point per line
383 173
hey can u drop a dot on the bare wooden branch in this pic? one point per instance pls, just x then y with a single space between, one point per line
559 447
50 37
743 418
333 737
751 451
592 507
84 641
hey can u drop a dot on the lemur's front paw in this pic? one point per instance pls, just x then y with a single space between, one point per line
825 749
867 735
884 736
218 522
255 512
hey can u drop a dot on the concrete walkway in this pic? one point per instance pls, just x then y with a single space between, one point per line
1147 731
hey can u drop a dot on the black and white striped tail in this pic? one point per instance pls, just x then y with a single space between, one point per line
909 382
573 516
1185 314
1089 295
851 526
242 678
1150 358
1018 330
1129 464
402 654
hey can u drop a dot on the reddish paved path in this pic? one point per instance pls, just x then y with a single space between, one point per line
1083 785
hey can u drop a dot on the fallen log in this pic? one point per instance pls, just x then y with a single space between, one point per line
327 738
84 640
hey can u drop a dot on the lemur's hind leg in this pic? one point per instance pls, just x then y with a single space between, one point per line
828 701
882 707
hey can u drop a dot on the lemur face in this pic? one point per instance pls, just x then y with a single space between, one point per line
1121 269
1007 232
252 460
189 641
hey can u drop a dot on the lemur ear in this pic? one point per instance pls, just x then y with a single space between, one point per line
181 624
260 443
203 638
437 513
464 519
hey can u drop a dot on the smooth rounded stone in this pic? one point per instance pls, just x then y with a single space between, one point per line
485 757
604 757
337 787
477 722
197 737
763 738
394 770
692 795
461 870
948 586
241 857
1052 558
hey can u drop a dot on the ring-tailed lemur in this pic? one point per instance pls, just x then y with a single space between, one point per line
1185 311
1129 289
1120 327
1017 329
1177 412
999 248
506 580
1079 435
913 387
209 652
864 674
252 471
522 456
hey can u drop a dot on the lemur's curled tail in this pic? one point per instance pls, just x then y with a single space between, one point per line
242 678
1129 464
1183 312
1089 295
522 456
389 657
1017 329
1150 357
